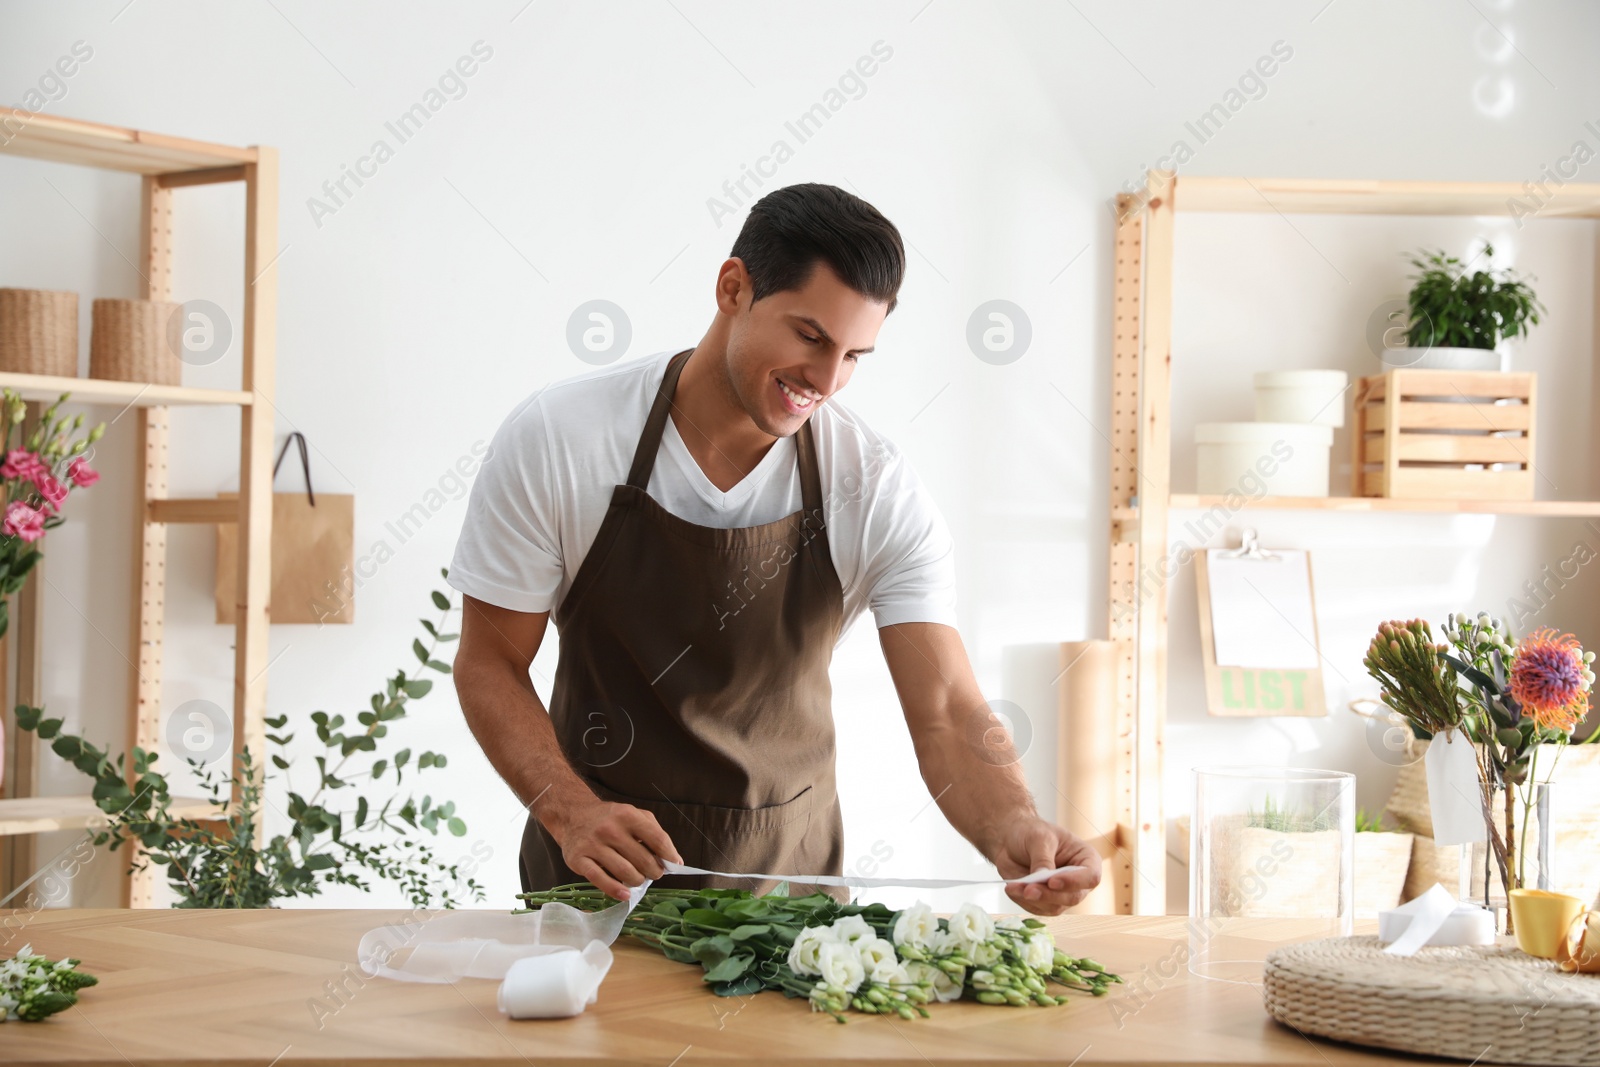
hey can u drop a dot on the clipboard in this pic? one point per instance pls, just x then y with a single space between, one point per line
1266 628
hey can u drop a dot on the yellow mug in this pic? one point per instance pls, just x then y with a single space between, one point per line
1541 920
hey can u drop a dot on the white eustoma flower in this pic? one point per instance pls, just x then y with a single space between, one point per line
942 943
803 954
1010 922
971 925
945 988
916 926
876 955
985 953
891 974
840 965
1039 952
852 928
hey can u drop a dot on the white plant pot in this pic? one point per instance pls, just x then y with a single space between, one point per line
1382 860
1440 358
1315 396
1289 458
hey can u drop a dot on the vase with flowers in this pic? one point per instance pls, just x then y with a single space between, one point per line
1519 702
42 464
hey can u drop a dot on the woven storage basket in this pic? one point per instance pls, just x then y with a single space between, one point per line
130 342
1487 1004
39 332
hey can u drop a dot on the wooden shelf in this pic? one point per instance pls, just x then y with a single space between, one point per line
166 165
93 144
47 388
1574 508
1357 197
35 815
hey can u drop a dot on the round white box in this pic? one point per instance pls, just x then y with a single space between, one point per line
1301 396
1290 458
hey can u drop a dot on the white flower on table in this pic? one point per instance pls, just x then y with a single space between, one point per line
805 952
876 955
1039 952
945 988
971 925
840 965
852 928
916 926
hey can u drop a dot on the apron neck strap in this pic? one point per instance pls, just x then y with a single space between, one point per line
644 456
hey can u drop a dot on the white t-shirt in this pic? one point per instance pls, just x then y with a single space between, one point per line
543 490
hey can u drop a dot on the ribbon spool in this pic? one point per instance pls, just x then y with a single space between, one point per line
1579 950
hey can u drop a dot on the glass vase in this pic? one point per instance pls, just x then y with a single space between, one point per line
1272 858
1531 854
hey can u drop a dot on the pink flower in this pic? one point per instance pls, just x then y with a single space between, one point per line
23 521
81 473
53 491
20 463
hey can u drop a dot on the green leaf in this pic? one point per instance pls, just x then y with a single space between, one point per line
711 951
667 909
279 762
729 969
422 653
749 930
706 917
441 601
457 827
418 688
442 668
740 987
361 811
378 767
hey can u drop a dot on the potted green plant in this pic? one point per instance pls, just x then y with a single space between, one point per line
339 825
1456 320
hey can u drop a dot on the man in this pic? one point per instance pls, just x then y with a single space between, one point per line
703 526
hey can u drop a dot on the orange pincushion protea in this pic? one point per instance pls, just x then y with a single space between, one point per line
1547 679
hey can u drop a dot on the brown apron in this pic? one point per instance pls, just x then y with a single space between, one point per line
693 682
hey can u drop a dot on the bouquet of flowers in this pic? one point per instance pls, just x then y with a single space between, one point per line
864 957
1511 698
39 469
32 987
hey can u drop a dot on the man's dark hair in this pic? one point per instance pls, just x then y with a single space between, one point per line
790 229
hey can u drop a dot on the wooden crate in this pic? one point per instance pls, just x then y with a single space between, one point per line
1447 435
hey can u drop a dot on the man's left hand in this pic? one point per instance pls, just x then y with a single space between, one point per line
1030 844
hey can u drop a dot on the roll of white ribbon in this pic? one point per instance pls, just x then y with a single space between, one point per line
1434 918
557 985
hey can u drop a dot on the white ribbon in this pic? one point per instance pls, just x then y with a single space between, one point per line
552 960
855 882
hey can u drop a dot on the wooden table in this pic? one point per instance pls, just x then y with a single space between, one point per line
282 987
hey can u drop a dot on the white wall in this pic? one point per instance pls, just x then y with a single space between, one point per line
578 165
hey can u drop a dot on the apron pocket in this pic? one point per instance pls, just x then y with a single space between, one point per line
714 820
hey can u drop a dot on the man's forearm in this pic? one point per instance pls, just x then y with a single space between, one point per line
971 768
513 727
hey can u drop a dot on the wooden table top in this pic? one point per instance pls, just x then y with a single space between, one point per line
281 987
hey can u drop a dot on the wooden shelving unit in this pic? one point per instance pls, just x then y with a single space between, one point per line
165 164
1141 468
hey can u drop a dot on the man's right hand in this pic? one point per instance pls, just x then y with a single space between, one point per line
615 846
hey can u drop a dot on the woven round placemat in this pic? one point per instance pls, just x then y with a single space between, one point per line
1491 1004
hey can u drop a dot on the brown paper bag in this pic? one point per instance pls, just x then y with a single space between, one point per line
313 550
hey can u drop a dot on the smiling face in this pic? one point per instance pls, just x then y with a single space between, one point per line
790 351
